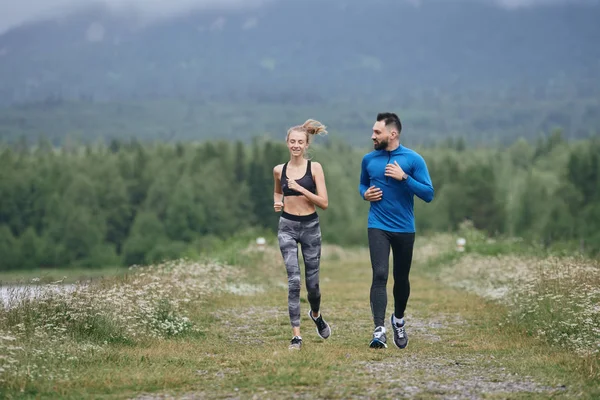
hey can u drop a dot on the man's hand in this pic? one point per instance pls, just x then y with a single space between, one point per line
278 206
373 194
395 171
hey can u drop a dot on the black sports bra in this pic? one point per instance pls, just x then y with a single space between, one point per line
306 182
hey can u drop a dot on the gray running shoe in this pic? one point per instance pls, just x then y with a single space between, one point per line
323 329
400 336
296 343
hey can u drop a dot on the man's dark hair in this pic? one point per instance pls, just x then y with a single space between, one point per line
390 119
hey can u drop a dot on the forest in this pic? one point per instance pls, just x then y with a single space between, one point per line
130 202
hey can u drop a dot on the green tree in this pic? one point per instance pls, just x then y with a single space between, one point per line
114 203
239 166
185 217
558 224
83 232
160 192
11 257
146 233
30 249
481 203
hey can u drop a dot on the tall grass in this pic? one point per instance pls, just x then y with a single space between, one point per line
554 298
148 303
557 299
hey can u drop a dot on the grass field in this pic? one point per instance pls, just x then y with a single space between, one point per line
208 330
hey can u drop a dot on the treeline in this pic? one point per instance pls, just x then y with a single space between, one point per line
130 203
548 193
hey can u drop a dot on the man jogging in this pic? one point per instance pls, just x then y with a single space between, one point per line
391 176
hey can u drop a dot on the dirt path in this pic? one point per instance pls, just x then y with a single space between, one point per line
457 350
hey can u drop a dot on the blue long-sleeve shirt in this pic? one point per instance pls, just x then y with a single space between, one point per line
395 211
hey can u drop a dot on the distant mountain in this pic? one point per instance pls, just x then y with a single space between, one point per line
312 52
325 48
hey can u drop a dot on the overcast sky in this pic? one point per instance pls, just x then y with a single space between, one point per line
13 12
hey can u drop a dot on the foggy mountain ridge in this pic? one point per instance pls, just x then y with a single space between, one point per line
296 46
453 68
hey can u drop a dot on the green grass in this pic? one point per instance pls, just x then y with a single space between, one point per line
459 344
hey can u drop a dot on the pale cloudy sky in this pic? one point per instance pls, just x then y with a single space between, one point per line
15 12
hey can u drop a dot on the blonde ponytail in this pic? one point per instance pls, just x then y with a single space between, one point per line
310 127
314 127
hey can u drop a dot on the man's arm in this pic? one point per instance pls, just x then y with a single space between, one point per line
420 181
364 179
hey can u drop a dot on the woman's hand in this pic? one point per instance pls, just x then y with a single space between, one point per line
278 206
295 186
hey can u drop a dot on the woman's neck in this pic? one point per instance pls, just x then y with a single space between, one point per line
297 161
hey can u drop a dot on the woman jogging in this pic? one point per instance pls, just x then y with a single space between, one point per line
299 189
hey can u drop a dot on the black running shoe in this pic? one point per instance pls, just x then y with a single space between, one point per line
296 343
323 329
400 336
378 341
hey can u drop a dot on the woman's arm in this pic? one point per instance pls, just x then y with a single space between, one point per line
320 199
277 192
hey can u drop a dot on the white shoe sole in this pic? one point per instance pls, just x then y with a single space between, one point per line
380 345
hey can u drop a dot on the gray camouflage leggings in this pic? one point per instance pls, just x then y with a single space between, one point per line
305 229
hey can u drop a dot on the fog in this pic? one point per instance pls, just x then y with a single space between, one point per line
14 13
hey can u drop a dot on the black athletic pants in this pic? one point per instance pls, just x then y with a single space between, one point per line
380 242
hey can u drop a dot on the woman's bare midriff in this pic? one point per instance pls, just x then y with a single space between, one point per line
298 205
